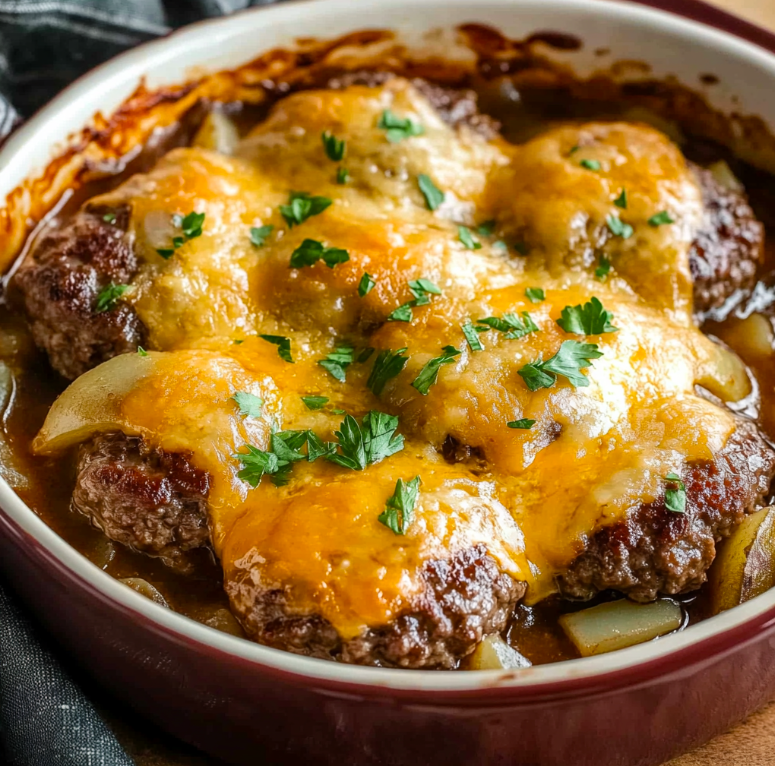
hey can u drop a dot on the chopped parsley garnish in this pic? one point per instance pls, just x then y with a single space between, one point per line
433 195
387 365
141 351
618 228
486 228
109 217
521 248
573 149
364 355
301 206
249 404
465 236
472 336
603 268
398 128
589 319
675 494
511 324
572 357
399 509
334 146
366 285
310 251
255 463
277 462
535 294
421 289
342 176
239 341
190 225
315 402
430 372
366 444
660 218
283 345
337 362
523 423
621 200
258 234
108 297
590 164
338 412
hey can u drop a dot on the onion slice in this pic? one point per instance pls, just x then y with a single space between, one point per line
493 653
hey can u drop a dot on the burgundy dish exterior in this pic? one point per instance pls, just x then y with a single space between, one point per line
250 704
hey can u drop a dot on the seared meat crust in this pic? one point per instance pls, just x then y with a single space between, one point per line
728 248
153 501
658 551
466 597
59 284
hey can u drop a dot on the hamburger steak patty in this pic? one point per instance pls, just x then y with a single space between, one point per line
658 551
59 283
728 248
154 502
466 598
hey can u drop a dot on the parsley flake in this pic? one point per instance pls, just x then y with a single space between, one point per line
315 402
523 423
387 365
258 234
621 200
337 362
334 146
255 463
511 324
301 206
660 218
472 336
401 314
366 285
572 357
366 444
421 288
535 294
399 509
141 351
108 297
283 345
618 228
590 164
465 236
486 228
249 404
675 494
603 268
433 195
398 128
342 176
430 371
190 224
589 319
109 217
310 251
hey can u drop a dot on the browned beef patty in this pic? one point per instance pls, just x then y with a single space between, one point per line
466 597
728 249
153 501
658 551
59 283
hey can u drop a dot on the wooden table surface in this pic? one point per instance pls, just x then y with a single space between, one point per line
750 744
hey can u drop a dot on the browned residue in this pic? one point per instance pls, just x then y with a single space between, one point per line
100 148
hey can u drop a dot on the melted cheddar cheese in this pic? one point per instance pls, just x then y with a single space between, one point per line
531 496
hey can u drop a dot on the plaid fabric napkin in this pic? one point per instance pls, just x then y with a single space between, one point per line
45 719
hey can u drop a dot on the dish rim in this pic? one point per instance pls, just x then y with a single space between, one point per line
714 635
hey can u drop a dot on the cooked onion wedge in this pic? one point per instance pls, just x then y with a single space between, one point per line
620 624
493 653
217 133
92 403
144 588
745 566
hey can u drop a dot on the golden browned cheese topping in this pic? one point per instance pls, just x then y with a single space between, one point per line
607 428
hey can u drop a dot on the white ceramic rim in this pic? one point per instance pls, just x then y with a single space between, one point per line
144 58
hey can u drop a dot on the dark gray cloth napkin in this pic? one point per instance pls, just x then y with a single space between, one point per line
45 719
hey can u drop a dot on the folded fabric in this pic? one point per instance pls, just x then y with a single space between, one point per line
45 719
